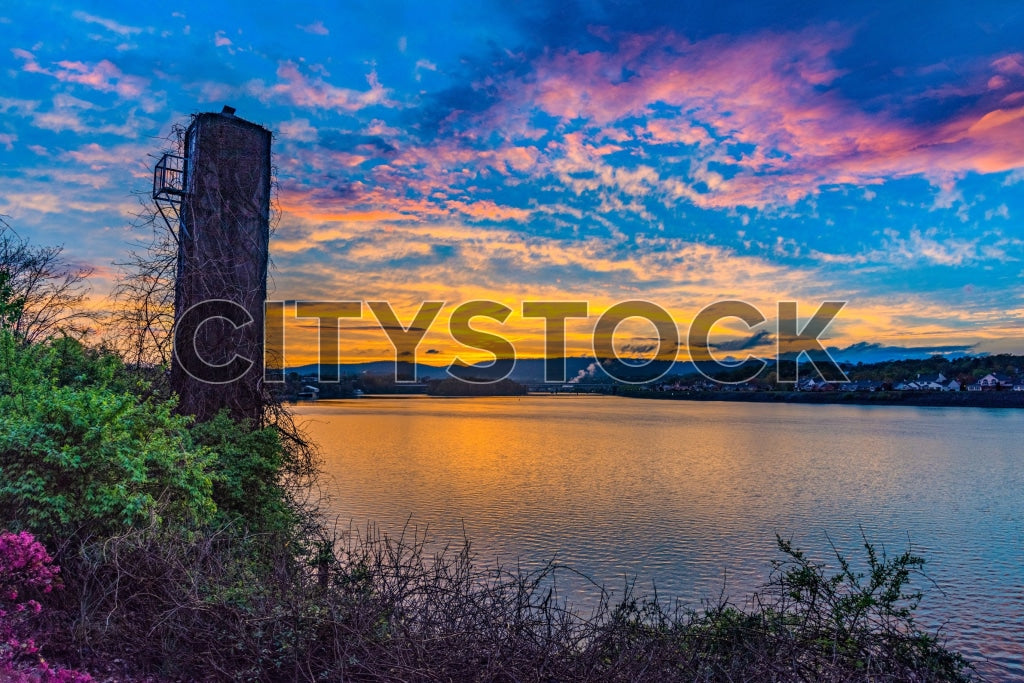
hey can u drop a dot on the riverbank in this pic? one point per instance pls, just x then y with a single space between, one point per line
193 553
964 399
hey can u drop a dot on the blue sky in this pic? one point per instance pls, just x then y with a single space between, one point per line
600 151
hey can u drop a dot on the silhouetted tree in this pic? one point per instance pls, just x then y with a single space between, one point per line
41 295
143 317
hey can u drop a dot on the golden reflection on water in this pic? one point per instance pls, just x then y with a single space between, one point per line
691 494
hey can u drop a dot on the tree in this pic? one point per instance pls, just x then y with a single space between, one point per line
144 315
10 307
41 295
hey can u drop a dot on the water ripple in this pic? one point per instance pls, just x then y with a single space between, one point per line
687 497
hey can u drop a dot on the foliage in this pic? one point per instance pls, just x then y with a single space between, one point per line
80 456
25 567
857 621
458 387
10 305
245 468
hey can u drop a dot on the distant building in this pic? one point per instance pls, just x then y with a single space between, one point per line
309 392
951 385
862 385
931 382
995 381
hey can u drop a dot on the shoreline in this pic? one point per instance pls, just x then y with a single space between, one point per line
956 399
924 399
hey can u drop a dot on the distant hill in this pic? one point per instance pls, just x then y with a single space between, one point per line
587 370
527 370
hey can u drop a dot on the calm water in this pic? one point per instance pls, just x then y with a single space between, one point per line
687 496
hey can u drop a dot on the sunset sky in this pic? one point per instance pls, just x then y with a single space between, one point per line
681 153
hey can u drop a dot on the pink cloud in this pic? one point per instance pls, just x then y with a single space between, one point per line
718 123
99 157
314 93
377 204
488 210
1010 64
31 65
104 76
415 184
298 129
769 93
327 205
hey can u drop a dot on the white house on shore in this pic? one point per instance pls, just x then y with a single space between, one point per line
994 381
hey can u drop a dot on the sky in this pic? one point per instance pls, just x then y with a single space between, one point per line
678 153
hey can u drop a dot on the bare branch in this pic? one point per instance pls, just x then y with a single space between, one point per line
48 291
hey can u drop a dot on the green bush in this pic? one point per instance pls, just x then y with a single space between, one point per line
245 468
79 457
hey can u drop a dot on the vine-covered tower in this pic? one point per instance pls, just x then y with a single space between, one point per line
223 252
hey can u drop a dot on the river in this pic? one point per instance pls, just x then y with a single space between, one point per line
687 496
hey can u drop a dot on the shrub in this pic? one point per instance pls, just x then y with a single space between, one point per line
25 567
79 458
861 622
245 468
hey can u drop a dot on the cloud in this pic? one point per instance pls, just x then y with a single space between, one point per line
730 121
925 247
317 28
649 122
423 65
109 24
101 157
761 338
752 121
1011 64
1002 211
315 94
18 106
69 113
47 201
871 352
298 130
103 76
